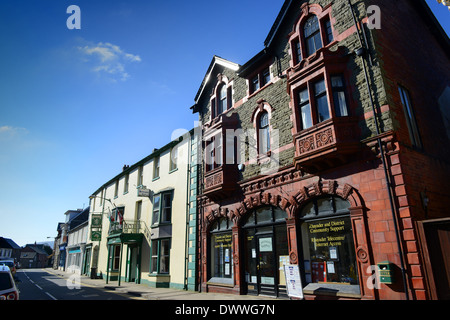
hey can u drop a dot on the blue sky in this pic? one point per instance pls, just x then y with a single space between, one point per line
76 105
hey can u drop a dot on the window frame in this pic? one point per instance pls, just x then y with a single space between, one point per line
157 243
325 33
140 176
316 34
260 79
411 121
158 219
219 102
173 159
314 215
264 133
126 183
223 229
309 86
156 167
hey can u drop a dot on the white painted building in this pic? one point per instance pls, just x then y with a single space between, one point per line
140 220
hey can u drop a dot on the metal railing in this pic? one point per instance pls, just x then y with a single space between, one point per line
130 226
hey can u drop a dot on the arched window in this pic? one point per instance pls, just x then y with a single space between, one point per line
222 103
328 247
311 31
264 133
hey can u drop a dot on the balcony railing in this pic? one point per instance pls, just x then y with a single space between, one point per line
130 227
327 144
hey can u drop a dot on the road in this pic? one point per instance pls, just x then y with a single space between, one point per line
37 284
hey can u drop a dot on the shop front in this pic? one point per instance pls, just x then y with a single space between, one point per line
246 245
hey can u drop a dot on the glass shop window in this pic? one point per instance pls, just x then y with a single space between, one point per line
328 248
221 249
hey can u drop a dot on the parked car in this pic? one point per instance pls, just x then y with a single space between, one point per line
8 289
10 264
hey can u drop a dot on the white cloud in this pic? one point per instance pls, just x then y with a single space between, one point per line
10 132
109 59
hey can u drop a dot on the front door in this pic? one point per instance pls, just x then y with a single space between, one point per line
266 265
132 263
262 274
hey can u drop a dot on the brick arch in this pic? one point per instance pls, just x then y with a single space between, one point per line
307 11
328 187
265 198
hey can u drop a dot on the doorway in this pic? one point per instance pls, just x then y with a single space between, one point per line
133 264
266 251
435 238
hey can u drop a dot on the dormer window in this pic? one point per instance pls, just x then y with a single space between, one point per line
259 80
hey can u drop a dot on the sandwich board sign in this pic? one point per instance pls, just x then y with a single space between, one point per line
293 281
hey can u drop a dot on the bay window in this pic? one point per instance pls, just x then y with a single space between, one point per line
318 109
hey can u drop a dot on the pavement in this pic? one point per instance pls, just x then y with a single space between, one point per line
145 292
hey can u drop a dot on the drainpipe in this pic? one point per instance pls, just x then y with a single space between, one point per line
361 53
186 241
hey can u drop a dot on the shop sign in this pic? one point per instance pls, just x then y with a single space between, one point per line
144 192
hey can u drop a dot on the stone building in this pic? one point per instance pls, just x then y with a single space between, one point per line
329 150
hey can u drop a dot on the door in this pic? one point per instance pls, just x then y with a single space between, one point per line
435 236
132 263
266 265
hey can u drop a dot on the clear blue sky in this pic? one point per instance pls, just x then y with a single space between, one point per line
76 105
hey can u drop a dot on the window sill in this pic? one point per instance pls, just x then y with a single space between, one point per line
337 290
156 178
254 93
173 170
125 192
159 275
222 282
161 224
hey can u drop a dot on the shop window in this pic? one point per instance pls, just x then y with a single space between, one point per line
116 257
221 249
329 258
160 256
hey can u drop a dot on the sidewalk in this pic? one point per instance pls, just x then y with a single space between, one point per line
148 293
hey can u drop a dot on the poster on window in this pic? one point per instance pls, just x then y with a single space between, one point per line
293 282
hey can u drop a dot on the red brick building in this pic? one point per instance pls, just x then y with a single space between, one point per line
329 150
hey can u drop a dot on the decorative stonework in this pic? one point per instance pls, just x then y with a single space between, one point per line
324 138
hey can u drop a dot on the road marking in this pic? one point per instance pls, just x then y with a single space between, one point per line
50 296
38 286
